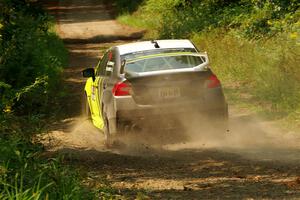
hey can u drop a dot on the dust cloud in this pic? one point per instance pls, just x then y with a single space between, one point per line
77 133
246 135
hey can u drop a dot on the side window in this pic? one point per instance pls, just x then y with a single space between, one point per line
103 64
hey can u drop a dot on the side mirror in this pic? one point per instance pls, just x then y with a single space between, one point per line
89 72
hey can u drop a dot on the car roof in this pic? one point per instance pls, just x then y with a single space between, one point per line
149 45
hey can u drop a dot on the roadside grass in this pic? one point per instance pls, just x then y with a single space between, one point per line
132 21
25 173
136 22
267 71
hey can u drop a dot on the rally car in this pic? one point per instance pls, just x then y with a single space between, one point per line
143 84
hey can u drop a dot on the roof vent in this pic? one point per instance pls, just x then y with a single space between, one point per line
155 43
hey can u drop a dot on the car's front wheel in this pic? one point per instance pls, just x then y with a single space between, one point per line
86 108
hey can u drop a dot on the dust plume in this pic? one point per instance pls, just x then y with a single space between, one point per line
246 135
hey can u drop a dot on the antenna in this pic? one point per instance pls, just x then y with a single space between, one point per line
155 43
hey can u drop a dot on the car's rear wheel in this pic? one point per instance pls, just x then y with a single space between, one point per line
106 129
107 135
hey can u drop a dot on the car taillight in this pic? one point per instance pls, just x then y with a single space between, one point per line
121 89
213 82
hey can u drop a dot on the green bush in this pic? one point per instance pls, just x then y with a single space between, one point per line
29 52
182 18
125 6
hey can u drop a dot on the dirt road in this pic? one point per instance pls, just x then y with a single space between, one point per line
253 161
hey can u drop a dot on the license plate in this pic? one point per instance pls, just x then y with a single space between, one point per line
170 92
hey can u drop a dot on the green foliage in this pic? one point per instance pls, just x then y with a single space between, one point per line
125 6
182 18
29 52
31 99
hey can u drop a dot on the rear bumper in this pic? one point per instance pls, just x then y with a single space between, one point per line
212 104
191 109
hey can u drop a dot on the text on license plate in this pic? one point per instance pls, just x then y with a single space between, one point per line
170 92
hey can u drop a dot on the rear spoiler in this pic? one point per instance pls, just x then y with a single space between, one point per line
202 67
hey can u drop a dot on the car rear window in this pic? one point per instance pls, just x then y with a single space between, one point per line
163 62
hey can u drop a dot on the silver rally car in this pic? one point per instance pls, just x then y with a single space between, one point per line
152 84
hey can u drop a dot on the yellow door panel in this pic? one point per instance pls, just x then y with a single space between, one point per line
96 96
94 91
